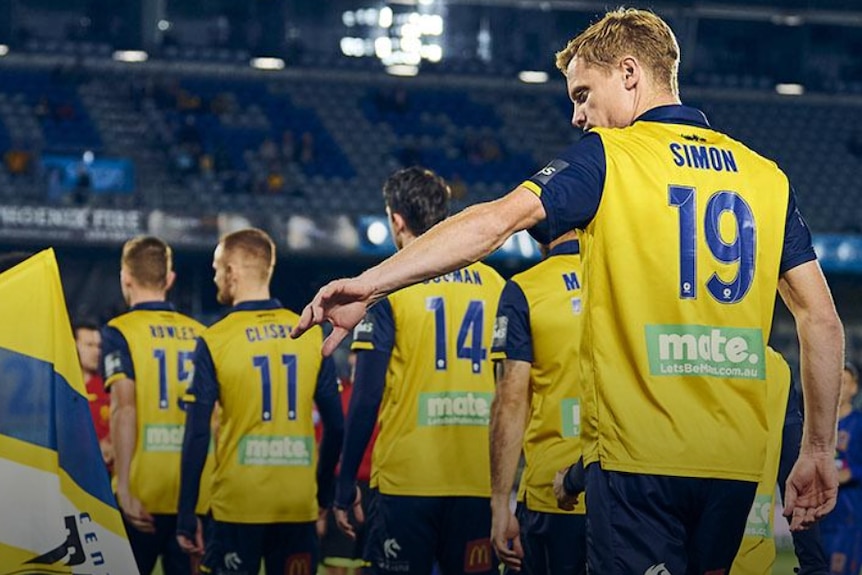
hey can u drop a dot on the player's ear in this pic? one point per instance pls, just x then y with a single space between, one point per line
170 279
398 223
631 70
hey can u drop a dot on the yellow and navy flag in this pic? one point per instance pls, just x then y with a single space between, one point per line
57 512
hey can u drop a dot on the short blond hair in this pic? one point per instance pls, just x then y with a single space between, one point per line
148 260
256 247
628 31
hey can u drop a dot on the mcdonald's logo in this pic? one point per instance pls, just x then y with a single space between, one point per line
477 556
298 564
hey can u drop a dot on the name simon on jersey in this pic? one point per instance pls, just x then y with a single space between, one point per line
459 277
267 331
182 332
703 157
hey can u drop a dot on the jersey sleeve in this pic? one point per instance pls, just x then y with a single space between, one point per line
377 329
798 248
204 388
512 336
116 358
570 188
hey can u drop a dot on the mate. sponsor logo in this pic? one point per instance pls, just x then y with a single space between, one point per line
706 351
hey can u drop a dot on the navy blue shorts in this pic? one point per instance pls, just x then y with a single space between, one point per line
239 548
407 534
148 547
656 524
554 543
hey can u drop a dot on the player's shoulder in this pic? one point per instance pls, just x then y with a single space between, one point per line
189 321
487 274
569 267
122 320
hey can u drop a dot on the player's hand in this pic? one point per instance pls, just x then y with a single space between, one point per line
107 452
135 512
342 518
342 303
506 537
568 485
320 524
193 546
812 489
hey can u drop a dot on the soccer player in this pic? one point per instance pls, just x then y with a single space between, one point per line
688 234
537 406
423 359
842 529
340 552
266 495
88 340
146 362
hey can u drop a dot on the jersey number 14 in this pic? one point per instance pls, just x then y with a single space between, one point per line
472 328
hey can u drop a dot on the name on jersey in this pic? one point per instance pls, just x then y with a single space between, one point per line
282 451
455 408
182 332
701 350
165 438
267 331
571 281
459 277
703 157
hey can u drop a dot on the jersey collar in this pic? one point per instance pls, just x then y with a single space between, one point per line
675 114
570 247
153 306
257 305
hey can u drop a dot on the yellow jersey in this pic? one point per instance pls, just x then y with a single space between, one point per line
539 321
436 404
685 233
265 384
152 344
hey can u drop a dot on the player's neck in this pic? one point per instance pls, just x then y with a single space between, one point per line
86 374
145 295
251 293
655 101
406 239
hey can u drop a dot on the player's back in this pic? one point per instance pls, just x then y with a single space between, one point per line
681 270
157 356
265 450
552 291
434 416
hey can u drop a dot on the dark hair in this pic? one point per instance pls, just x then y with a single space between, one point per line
12 259
148 260
419 196
851 368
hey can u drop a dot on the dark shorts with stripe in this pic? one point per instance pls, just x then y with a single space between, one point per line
554 543
239 548
655 524
407 534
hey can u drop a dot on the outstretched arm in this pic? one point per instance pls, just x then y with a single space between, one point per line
452 244
812 487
